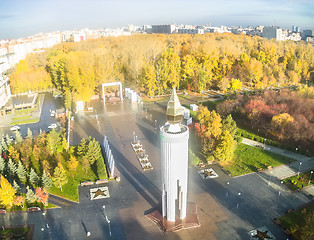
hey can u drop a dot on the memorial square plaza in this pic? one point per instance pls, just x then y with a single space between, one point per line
227 208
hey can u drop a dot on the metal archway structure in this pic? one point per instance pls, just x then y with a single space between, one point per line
109 85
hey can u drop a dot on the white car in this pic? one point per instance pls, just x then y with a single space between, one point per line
14 128
52 125
53 113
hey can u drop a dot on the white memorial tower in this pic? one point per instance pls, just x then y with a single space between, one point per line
174 161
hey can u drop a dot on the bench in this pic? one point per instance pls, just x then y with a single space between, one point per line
101 181
33 209
87 183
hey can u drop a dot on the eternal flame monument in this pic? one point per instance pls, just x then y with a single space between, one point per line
175 214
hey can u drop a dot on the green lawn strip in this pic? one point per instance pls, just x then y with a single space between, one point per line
70 189
33 120
299 181
193 159
296 219
211 105
21 118
249 159
15 233
253 136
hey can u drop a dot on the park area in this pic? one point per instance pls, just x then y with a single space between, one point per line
249 159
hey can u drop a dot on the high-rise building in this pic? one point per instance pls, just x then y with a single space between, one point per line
273 32
168 28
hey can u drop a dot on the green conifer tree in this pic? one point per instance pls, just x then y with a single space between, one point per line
33 177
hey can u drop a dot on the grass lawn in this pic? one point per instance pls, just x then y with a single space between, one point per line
21 118
15 233
249 159
295 220
297 182
70 189
33 120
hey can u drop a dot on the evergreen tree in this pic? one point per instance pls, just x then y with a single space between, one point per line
30 195
29 134
230 125
8 139
4 145
19 138
33 177
93 151
12 167
47 183
60 177
82 148
53 141
2 165
16 187
21 172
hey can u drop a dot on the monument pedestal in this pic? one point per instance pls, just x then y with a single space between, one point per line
190 221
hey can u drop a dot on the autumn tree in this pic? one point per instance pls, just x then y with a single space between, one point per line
19 201
59 176
225 147
7 192
41 195
149 79
85 164
72 163
280 123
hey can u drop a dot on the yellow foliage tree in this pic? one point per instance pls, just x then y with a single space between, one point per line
7 192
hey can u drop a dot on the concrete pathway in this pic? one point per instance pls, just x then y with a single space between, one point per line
302 163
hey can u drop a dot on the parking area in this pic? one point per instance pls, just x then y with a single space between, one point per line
47 105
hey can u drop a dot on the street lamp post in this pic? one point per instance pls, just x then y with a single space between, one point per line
310 177
227 193
281 182
271 172
265 144
239 194
299 168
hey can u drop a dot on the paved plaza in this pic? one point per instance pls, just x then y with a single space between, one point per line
227 208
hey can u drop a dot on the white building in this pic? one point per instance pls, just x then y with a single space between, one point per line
5 92
174 161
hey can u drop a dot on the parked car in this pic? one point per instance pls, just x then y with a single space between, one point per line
53 125
15 128
57 96
53 113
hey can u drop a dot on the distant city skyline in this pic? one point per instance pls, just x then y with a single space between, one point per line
25 18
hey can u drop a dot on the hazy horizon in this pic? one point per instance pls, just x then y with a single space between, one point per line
26 18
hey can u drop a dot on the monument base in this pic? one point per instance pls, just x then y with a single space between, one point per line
190 221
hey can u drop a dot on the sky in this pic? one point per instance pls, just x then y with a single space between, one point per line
23 18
